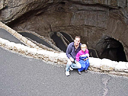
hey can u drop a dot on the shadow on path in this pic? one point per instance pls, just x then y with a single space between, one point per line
36 38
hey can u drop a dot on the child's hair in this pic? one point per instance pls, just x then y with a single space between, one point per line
83 46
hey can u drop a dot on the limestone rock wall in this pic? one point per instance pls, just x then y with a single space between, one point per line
1 4
13 9
91 19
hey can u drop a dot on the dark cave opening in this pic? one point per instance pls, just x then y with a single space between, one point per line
110 48
59 42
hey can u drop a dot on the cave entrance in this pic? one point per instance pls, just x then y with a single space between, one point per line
110 48
61 40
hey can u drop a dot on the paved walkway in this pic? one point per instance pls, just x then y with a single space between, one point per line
6 35
24 76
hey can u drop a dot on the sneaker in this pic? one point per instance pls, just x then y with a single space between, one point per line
67 73
86 71
79 72
71 68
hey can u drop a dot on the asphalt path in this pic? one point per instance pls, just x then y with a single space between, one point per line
6 35
25 76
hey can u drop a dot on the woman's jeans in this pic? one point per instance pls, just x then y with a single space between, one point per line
75 65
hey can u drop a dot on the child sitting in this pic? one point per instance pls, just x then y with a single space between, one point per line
83 58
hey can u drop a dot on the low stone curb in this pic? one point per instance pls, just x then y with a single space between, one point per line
59 58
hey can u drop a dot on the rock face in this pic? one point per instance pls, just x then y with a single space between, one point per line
91 19
110 48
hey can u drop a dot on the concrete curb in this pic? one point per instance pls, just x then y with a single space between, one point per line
59 58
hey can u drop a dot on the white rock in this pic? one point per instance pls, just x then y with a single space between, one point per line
33 45
52 57
1 40
18 46
114 63
62 55
107 64
41 52
126 71
29 43
10 45
95 62
25 48
32 51
47 53
127 65
121 66
4 42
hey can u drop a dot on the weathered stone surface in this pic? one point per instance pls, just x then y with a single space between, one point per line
16 8
91 19
1 4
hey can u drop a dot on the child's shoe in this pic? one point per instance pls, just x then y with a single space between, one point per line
79 72
71 68
86 71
